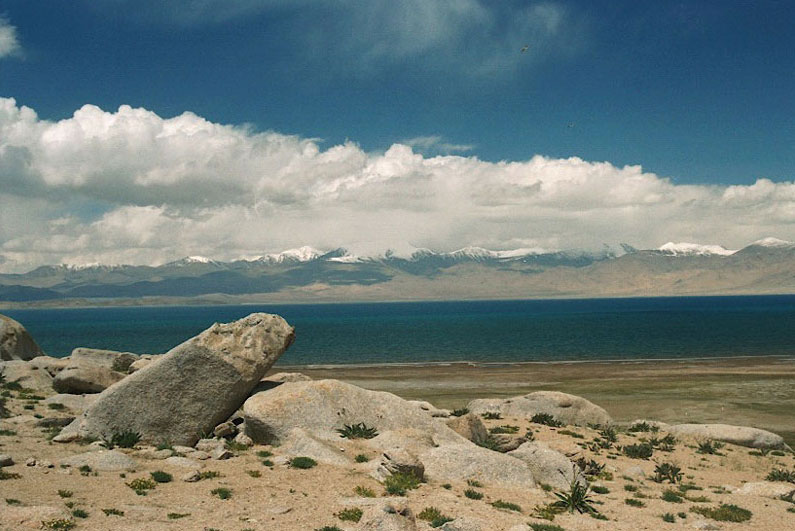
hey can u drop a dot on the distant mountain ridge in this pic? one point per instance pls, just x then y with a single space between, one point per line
306 274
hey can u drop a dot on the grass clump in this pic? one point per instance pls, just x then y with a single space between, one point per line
364 492
65 493
264 454
222 492
571 434
781 474
459 412
472 494
546 527
302 462
668 517
491 415
113 512
578 498
8 475
638 451
328 528
641 427
434 516
13 501
254 473
546 419
667 472
176 516
361 458
725 513
357 431
8 433
630 488
79 513
85 470
235 446
599 489
474 483
398 483
505 428
709 447
671 496
209 474
352 514
58 523
165 445
161 477
499 504
141 485
634 503
124 439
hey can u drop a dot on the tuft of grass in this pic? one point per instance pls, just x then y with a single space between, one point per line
590 467
141 485
165 445
352 514
176 516
491 415
447 486
634 503
357 431
459 412
161 477
725 513
546 527
124 439
698 499
781 474
57 407
599 489
546 419
630 488
499 504
434 516
638 451
571 434
668 517
709 447
398 483
671 496
13 501
578 498
264 454
222 492
113 512
640 427
473 494
65 493
474 483
667 471
79 513
302 462
267 462
8 475
328 528
209 474
361 458
8 433
235 446
85 470
364 492
254 473
505 428
58 523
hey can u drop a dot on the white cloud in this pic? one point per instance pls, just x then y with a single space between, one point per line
132 187
9 44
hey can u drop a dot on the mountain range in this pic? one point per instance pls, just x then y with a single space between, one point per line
310 275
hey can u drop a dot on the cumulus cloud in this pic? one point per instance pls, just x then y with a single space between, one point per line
132 187
9 44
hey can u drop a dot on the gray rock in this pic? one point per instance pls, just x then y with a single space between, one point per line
200 455
400 461
209 445
275 380
766 489
221 454
193 387
739 435
92 370
242 438
465 523
30 461
182 462
430 408
141 362
6 460
568 409
470 427
54 422
548 466
301 443
390 516
183 449
152 453
225 429
459 462
192 476
76 403
47 363
26 375
634 472
15 342
101 460
653 423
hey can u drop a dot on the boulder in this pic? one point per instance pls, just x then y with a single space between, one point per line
739 435
101 460
430 408
470 427
192 388
6 460
77 403
19 517
767 489
47 363
15 342
92 370
566 408
459 462
548 466
301 443
389 516
275 380
400 461
26 375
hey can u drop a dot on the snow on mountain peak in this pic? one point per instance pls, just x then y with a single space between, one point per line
693 249
300 254
773 242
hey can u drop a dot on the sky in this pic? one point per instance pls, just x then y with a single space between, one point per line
141 131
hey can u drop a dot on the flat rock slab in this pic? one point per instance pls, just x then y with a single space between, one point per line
101 460
739 435
569 409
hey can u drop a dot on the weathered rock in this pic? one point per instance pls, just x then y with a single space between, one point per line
92 370
766 489
705 526
182 462
634 472
152 453
192 477
470 427
430 408
15 342
29 517
101 460
184 450
465 523
740 435
568 409
200 455
76 403
47 363
209 445
54 422
400 461
275 380
459 462
26 375
6 460
142 361
221 454
548 466
301 443
30 461
193 387
242 438
505 442
390 516
225 429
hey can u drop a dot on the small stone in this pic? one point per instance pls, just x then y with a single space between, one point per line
225 429
201 456
634 472
98 445
705 526
6 460
184 449
208 445
242 438
45 464
30 461
221 453
183 462
192 476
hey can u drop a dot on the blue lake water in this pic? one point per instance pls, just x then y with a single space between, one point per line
480 331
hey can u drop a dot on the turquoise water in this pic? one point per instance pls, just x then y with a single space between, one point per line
481 331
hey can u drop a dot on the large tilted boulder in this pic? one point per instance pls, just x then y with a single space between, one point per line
568 409
548 466
15 342
739 435
305 417
92 370
192 388
26 375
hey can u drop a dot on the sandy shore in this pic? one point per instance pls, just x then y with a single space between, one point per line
757 391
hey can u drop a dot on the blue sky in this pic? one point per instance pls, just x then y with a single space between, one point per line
139 131
697 91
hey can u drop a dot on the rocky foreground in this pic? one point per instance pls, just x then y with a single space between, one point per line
202 438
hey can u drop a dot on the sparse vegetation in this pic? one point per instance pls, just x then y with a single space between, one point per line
124 439
546 419
638 451
600 489
671 496
302 462
222 492
65 493
113 512
504 429
235 446
85 470
254 473
577 498
8 475
499 504
8 433
667 472
209 474
472 494
357 431
264 454
352 514
56 406
781 474
571 433
364 492
79 513
398 483
589 467
434 516
491 415
459 412
546 527
474 483
141 485
634 503
361 458
724 513
641 427
668 517
59 523
709 447
161 477
176 516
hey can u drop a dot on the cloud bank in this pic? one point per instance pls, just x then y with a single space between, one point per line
132 187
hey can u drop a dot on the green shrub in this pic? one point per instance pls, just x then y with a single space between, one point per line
364 492
667 471
491 415
165 445
499 504
474 483
209 474
13 501
638 451
668 517
79 513
546 527
124 439
222 492
473 494
681 515
630 488
267 462
254 473
634 503
141 485
85 470
780 474
235 446
161 477
328 528
357 431
65 493
459 412
640 427
264 453
352 514
361 458
571 434
504 429
589 467
577 498
671 496
434 516
176 516
724 513
8 433
709 447
398 483
8 475
302 462
546 419
609 434
60 524
113 512
599 489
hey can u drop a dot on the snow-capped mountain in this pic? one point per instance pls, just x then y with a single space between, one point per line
300 254
694 249
773 242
